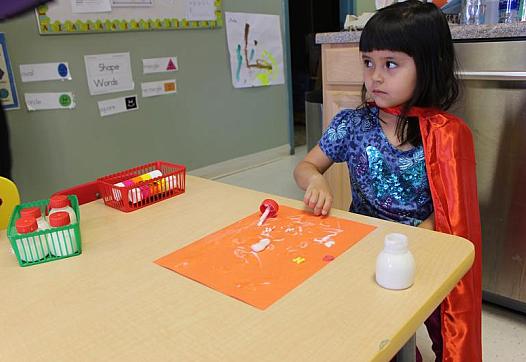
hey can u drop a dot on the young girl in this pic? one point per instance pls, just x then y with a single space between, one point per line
409 161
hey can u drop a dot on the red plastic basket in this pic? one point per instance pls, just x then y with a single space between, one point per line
133 197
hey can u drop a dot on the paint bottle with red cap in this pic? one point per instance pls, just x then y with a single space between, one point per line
58 203
37 214
30 248
63 241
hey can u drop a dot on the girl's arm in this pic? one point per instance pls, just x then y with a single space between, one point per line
309 176
428 223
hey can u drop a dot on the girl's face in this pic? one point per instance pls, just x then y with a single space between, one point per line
390 77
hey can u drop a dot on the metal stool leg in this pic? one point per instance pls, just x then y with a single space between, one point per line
408 351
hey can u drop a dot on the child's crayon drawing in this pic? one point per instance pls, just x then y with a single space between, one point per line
256 51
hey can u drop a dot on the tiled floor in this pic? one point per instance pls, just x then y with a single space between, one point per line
504 331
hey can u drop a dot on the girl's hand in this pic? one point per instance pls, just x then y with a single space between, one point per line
318 195
309 176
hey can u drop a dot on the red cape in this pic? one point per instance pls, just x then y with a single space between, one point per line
450 165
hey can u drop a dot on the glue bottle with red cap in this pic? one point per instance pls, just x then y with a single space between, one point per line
59 203
37 214
30 248
63 242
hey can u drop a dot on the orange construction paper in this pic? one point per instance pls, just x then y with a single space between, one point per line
300 245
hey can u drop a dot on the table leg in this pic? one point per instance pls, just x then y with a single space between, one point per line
408 351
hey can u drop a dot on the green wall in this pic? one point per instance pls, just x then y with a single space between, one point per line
362 6
206 122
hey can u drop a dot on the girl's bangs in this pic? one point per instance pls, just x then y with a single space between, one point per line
389 36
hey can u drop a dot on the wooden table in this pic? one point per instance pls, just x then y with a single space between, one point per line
113 303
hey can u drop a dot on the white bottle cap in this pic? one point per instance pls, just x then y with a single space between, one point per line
395 243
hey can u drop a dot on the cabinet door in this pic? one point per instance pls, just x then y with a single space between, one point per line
338 174
336 100
342 65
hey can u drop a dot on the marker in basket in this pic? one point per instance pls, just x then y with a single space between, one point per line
137 194
268 208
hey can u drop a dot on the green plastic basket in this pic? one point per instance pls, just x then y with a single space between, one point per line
46 245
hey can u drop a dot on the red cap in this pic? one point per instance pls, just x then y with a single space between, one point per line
26 225
58 219
31 211
58 202
273 205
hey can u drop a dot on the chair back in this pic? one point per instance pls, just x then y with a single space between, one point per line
9 198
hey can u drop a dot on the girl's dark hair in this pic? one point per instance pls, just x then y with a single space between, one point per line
421 31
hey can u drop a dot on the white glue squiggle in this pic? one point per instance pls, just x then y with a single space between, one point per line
299 220
241 253
257 258
260 246
328 240
266 232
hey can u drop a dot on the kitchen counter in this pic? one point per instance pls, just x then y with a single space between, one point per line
458 32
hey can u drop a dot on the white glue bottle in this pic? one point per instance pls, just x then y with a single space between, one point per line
59 203
30 248
37 214
395 265
63 242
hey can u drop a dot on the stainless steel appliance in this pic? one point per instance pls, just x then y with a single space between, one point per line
493 103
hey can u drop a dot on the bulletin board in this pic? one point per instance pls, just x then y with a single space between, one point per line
58 17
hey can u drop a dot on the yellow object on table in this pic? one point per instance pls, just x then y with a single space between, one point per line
9 198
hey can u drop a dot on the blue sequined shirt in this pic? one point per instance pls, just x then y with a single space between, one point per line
386 182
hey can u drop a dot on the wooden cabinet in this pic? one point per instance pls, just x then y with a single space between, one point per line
342 85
